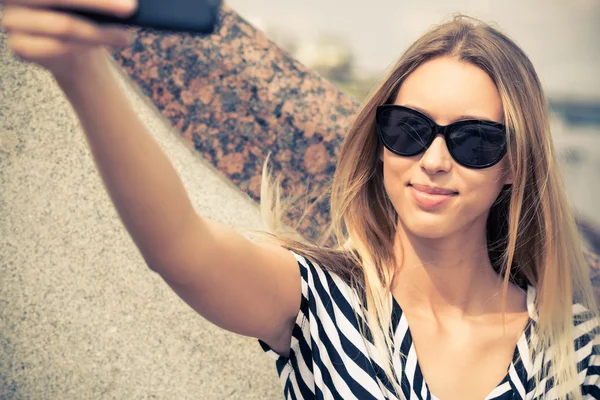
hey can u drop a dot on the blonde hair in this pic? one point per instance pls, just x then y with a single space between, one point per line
532 237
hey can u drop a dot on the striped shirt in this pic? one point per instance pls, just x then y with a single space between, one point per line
330 358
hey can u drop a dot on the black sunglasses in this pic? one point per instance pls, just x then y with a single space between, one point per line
472 143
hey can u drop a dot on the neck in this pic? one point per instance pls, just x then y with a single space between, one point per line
451 275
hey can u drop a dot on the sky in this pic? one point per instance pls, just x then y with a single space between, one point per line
562 37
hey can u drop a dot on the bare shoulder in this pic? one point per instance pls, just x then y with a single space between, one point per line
277 251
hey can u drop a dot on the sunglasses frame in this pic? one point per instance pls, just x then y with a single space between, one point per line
444 130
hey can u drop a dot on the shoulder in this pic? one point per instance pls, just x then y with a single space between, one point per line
586 326
586 334
326 265
585 329
326 281
317 270
587 350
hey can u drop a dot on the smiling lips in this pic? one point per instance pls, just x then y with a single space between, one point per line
430 197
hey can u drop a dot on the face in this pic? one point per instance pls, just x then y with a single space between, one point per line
447 90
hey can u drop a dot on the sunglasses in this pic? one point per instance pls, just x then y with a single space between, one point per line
472 143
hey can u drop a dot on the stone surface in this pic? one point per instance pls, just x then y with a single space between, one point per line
236 96
81 316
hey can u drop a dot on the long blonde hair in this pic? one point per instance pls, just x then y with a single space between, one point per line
532 236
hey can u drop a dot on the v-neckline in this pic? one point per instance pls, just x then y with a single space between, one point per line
512 373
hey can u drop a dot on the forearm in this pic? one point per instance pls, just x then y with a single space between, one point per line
144 186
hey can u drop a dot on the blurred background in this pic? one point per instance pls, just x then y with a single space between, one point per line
353 43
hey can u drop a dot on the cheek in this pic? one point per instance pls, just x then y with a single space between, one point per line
481 188
396 172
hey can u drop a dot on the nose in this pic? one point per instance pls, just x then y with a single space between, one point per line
436 158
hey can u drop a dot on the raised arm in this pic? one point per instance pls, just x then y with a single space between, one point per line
243 287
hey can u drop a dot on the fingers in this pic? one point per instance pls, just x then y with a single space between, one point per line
26 22
39 48
117 7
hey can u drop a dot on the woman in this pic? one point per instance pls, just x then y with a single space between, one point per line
448 212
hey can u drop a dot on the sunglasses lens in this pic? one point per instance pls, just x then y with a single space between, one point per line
477 145
405 133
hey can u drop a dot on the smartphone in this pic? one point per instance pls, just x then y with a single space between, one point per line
196 16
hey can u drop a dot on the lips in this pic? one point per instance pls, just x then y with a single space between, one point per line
433 189
431 197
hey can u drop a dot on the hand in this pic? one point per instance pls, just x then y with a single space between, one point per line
59 41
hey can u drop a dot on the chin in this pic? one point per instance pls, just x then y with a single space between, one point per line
426 229
429 224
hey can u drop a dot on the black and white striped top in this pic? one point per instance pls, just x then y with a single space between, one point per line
331 359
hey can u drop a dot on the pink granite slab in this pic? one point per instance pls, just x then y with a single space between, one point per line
236 96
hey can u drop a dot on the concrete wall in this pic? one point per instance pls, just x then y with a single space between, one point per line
81 316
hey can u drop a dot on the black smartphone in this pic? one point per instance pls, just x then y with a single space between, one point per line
197 16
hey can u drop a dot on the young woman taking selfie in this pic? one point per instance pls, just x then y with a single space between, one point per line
457 271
